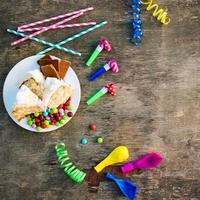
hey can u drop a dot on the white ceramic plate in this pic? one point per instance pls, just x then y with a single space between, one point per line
17 75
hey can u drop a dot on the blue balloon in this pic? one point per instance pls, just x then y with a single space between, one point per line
127 188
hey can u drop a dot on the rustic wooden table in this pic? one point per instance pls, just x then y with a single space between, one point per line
157 107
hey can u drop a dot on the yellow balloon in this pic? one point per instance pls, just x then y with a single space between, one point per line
118 155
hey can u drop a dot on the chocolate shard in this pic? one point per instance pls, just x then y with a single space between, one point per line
49 71
63 68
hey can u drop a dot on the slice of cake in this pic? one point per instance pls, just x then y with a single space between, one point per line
56 92
27 102
35 82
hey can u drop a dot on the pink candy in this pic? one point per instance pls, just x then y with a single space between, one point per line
114 66
106 45
33 126
61 111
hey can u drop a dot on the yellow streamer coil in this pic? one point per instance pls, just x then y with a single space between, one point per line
160 14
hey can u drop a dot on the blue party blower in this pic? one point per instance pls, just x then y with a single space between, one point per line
127 188
111 65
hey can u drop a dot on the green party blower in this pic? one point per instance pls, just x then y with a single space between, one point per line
108 88
104 44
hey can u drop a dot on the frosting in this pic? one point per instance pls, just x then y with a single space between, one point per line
114 66
51 85
26 97
37 75
106 45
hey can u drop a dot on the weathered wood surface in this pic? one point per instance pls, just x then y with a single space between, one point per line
157 107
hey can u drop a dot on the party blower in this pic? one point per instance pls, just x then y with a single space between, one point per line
103 45
109 88
148 161
111 65
118 155
127 188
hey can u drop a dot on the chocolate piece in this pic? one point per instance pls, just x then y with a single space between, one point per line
63 67
48 62
49 71
46 57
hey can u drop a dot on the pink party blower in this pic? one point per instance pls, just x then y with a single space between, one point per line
103 45
111 65
148 161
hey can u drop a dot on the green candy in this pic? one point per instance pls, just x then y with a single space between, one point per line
99 140
36 114
54 110
70 108
33 120
62 121
57 124
38 128
30 122
65 117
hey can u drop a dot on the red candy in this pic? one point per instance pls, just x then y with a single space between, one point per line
37 120
60 106
56 117
70 114
67 103
93 127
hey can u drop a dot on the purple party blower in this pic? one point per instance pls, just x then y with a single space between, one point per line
112 64
148 161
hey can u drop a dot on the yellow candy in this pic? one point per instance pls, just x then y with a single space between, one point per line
118 155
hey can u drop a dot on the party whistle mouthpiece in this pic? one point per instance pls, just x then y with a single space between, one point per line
111 65
127 188
104 44
109 88
148 161
119 154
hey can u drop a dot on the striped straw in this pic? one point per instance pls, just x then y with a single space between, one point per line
46 29
45 42
73 37
58 27
54 18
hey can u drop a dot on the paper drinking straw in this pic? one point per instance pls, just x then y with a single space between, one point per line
58 27
54 18
45 42
46 29
73 37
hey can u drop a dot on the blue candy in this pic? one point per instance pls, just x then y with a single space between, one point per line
84 141
45 114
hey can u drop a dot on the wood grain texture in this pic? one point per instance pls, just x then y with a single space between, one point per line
157 107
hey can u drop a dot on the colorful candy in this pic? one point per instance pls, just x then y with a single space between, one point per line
93 127
109 88
100 140
111 65
84 141
118 155
50 117
104 44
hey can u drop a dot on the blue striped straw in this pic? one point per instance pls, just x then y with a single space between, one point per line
45 42
73 37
